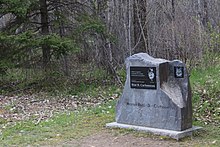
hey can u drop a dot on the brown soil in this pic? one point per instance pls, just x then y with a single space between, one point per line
109 139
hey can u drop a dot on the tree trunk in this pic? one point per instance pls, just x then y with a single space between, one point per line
200 28
173 30
44 31
140 12
205 18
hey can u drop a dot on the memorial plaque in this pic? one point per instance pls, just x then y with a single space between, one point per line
143 77
179 72
163 101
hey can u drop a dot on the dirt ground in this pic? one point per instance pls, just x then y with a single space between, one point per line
109 139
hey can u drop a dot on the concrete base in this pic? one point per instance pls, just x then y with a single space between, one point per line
170 133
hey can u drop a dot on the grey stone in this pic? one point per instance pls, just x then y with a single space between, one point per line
156 94
170 133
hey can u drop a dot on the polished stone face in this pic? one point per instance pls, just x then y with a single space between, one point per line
156 94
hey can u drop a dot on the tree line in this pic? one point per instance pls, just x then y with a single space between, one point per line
39 33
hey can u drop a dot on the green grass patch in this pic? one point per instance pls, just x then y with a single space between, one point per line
87 121
66 126
206 94
2 121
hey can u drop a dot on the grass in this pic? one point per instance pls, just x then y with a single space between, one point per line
207 79
206 94
87 121
66 126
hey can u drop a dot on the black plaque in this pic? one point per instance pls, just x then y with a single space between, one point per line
179 72
143 77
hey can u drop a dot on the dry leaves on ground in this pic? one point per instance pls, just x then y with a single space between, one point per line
41 106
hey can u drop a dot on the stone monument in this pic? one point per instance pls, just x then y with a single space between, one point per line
156 97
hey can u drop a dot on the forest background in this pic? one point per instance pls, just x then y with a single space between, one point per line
49 38
70 47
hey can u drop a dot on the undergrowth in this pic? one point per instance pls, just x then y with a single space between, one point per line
205 83
55 82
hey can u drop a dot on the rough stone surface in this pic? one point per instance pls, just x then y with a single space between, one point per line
156 94
173 134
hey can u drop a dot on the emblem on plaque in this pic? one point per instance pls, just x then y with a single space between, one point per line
179 72
151 74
